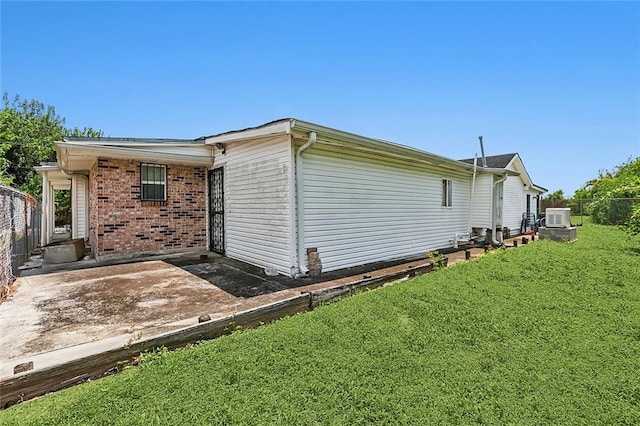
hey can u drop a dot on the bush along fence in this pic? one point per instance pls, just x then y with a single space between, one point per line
19 233
604 211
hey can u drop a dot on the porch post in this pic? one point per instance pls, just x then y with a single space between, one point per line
44 221
52 213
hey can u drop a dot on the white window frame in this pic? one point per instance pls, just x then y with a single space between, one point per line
447 192
162 182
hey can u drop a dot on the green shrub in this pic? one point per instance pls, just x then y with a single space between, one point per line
633 224
612 211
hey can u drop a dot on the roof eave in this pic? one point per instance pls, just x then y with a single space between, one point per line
109 141
127 153
274 128
383 145
498 171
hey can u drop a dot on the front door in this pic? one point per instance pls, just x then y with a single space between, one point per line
216 210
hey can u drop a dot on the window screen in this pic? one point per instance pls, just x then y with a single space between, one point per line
447 193
153 182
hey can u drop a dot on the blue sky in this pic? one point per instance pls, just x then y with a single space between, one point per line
557 82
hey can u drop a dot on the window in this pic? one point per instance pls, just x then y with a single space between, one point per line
153 182
447 193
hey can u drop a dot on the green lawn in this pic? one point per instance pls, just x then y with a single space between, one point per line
548 333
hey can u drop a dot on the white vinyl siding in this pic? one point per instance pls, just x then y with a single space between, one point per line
361 208
513 204
80 206
481 204
256 197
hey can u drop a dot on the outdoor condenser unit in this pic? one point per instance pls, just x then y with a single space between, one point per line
558 217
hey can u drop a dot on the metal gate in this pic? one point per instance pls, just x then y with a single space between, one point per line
216 210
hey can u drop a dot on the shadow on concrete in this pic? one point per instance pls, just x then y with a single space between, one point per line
237 278
244 280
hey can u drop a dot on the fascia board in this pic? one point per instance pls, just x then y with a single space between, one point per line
42 169
132 141
383 146
57 177
281 128
496 171
520 165
128 153
130 144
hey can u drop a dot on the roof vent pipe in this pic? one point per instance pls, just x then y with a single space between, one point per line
484 159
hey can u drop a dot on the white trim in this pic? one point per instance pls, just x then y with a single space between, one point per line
300 129
254 133
447 192
126 142
65 149
380 145
45 210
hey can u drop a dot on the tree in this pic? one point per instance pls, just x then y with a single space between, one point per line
555 195
28 130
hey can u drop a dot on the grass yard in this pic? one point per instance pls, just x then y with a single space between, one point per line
548 333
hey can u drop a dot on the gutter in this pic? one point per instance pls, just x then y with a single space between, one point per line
129 153
380 146
302 269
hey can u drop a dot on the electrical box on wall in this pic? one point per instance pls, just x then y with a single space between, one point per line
558 217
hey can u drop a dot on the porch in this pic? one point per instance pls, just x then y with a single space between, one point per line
55 179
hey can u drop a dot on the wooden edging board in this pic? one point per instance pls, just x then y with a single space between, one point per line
334 293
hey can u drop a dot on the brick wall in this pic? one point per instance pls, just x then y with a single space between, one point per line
120 223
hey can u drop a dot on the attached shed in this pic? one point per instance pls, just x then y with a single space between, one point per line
515 199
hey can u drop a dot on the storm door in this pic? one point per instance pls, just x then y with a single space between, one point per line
216 210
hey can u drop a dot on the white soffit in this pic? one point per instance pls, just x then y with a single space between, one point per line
76 154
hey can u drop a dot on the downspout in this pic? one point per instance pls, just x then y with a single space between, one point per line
494 224
302 269
473 187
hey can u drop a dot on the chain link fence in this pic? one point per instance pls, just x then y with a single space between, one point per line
19 233
605 211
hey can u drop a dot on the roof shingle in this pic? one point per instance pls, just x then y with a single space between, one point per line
494 161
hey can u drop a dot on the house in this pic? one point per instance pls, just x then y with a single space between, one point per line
511 202
267 194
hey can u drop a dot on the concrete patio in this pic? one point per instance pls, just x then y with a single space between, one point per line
66 305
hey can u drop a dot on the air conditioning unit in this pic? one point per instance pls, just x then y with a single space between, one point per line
558 217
